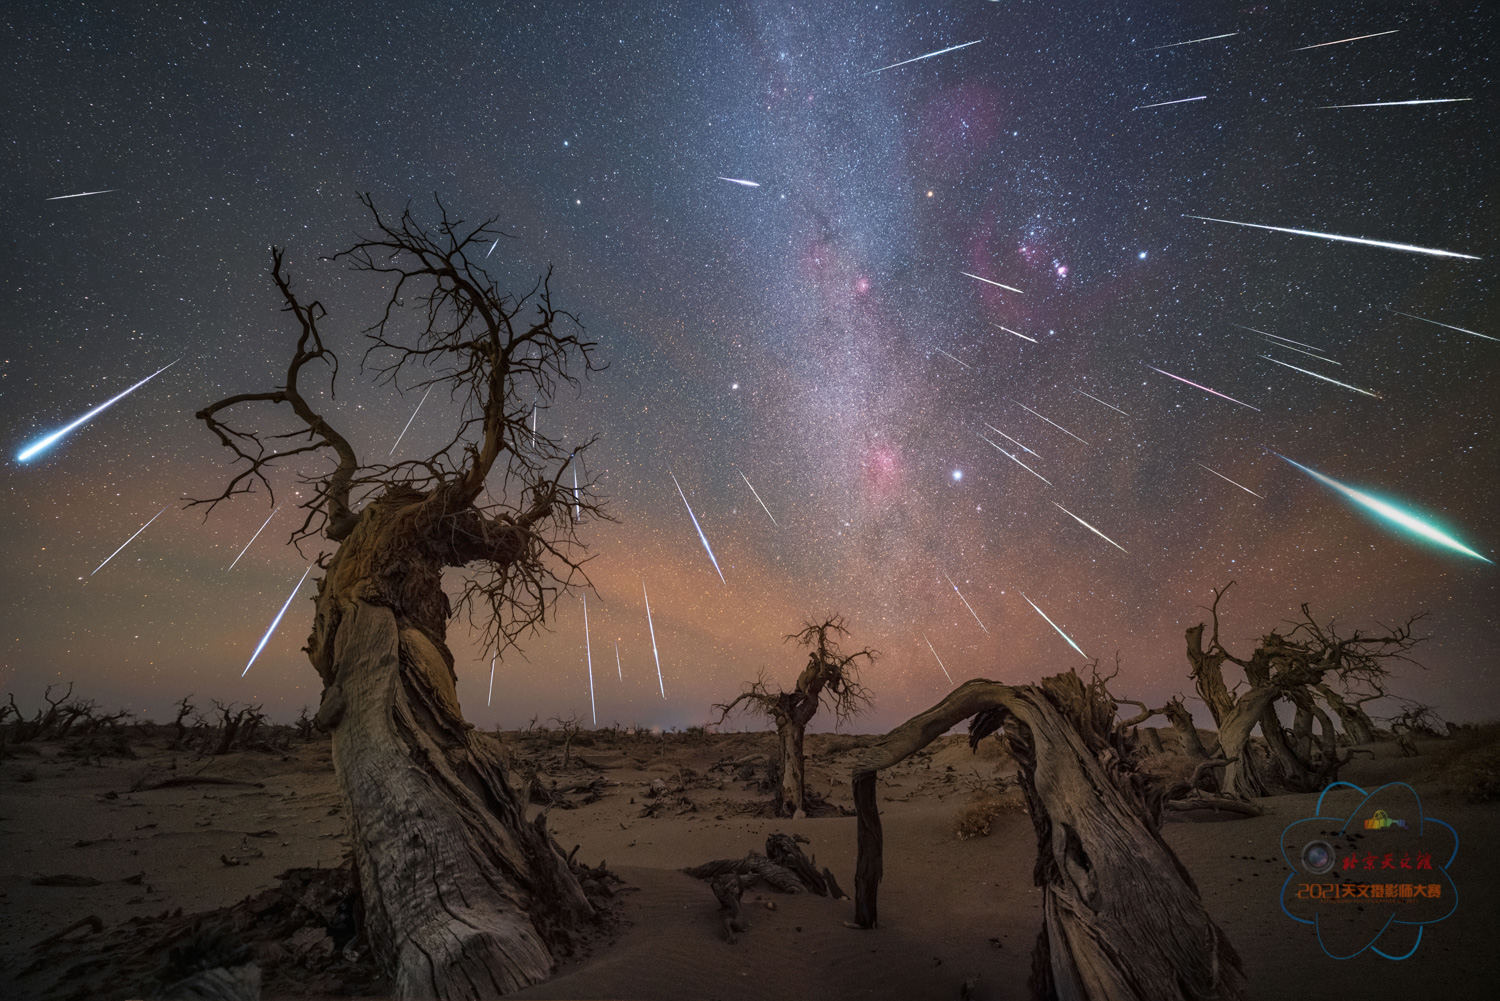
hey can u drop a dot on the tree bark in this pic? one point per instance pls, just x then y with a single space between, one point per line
1208 675
1187 730
792 798
462 897
1357 724
1123 920
1245 775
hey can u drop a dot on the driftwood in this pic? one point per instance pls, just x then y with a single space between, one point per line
174 781
754 865
729 889
1122 919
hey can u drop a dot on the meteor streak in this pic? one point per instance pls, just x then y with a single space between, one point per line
618 669
1341 41
589 650
1091 528
1410 521
1179 378
492 248
276 621
576 515
1461 330
736 180
1054 626
701 536
128 541
1190 41
1392 104
1059 427
1097 400
44 443
1276 336
1163 104
1009 438
660 684
1228 480
988 282
938 659
81 194
917 59
966 604
947 355
409 420
262 528
757 497
491 694
1325 378
1010 331
1018 462
1288 347
1409 248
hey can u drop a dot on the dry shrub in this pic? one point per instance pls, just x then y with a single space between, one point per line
975 818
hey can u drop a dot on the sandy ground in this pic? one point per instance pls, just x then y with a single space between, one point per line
951 909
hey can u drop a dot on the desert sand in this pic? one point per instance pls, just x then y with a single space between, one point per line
954 910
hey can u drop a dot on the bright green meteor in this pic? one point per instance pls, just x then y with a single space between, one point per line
1404 519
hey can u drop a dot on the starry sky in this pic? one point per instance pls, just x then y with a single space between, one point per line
817 335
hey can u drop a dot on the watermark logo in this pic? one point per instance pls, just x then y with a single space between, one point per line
1378 896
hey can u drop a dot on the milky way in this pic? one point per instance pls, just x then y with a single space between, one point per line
804 329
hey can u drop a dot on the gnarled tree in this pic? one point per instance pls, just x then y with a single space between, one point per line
462 897
1293 667
1122 919
831 677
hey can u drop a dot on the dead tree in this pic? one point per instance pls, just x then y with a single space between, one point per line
830 677
1122 919
463 897
1292 667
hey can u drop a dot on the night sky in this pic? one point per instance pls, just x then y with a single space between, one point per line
815 334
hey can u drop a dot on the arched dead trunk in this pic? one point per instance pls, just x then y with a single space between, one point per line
1187 730
1357 724
1123 920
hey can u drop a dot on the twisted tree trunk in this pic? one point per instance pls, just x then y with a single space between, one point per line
1357 724
462 897
1123 920
790 737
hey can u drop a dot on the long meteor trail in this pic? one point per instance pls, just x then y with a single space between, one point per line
1054 625
1407 247
42 444
1008 288
409 420
1091 528
81 194
917 59
1059 427
1190 382
1393 104
651 626
1016 332
1410 521
1190 41
757 497
938 659
1278 337
1341 41
741 182
947 355
128 541
1097 400
701 536
1325 378
262 528
966 603
276 621
491 695
1461 330
1009 439
618 669
1288 347
1017 461
589 650
1163 104
1228 480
